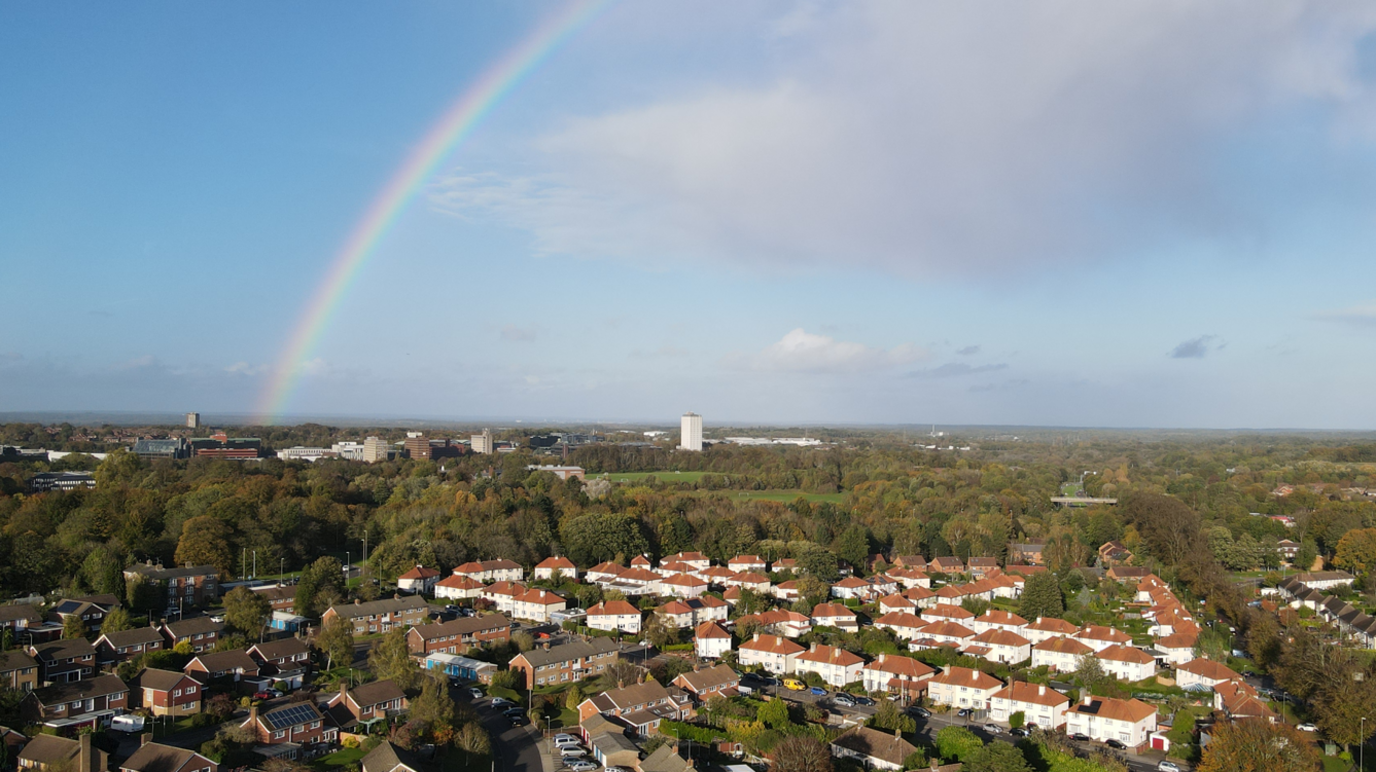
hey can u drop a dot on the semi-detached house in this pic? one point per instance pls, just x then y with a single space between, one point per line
836 666
1038 704
1130 722
1061 654
776 654
615 615
961 687
379 616
898 675
459 635
566 662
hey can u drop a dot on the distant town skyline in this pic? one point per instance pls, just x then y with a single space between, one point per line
775 213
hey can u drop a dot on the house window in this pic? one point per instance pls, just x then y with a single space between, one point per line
278 735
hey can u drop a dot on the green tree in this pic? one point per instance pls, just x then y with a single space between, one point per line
853 546
321 585
818 562
1041 597
433 706
118 619
473 739
887 717
144 594
956 743
73 627
574 697
205 541
1016 719
1089 671
247 611
103 571
336 641
601 536
657 632
391 660
996 757
774 714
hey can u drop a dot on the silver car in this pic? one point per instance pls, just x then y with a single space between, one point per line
582 766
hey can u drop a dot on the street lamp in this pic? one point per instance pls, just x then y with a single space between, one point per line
1362 753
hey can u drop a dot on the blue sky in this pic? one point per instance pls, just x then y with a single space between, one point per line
1129 214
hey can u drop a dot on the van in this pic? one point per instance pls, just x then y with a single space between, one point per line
794 685
572 752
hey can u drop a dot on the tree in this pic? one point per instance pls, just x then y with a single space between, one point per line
598 537
574 697
853 545
801 754
247 611
886 716
434 707
1256 745
336 640
73 627
391 660
1089 671
1041 597
658 632
472 738
144 594
205 541
321 584
1357 550
774 714
818 562
955 743
118 619
103 571
1016 719
996 757
1342 702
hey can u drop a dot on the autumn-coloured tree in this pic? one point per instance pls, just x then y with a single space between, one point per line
205 541
1357 550
1257 745
801 754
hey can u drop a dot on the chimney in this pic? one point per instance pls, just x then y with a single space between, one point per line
1088 699
546 644
144 739
814 646
357 601
87 757
253 714
757 636
343 689
882 657
1041 690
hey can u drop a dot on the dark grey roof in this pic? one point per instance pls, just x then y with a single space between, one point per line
375 607
14 611
156 757
387 757
15 660
71 648
375 692
569 651
196 625
280 649
463 626
133 636
84 689
161 680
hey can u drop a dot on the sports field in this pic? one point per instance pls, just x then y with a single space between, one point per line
635 477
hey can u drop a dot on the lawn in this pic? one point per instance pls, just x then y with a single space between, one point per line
340 758
635 477
784 497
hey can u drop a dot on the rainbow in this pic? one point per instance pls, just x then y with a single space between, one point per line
456 125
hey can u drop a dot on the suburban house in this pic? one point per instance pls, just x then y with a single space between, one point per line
50 752
379 616
710 641
546 569
285 659
704 684
981 567
607 740
536 605
938 633
835 615
747 563
1047 627
1178 648
684 585
19 617
18 671
201 633
995 619
1099 637
949 613
365 704
946 565
487 571
1201 674
777 655
124 645
194 584
1031 554
615 615
459 635
167 692
1113 552
789 624
419 580
961 687
695 559
873 748
458 587
390 758
642 706
604 572
156 757
1130 722
836 666
235 665
905 625
502 595
903 676
565 662
281 597
1038 704
1127 663
64 660
293 727
1003 646
73 703
90 609
1061 654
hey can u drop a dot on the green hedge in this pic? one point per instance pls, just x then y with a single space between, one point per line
698 734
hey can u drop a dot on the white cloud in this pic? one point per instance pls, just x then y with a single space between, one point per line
802 352
244 368
511 332
1359 316
923 138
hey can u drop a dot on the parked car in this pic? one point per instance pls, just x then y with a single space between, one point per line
863 701
963 712
498 702
1018 732
572 752
844 700
1168 766
1307 727
818 691
794 685
564 737
919 711
581 765
514 712
993 729
127 723
475 692
1080 737
1116 745
267 694
518 719
559 745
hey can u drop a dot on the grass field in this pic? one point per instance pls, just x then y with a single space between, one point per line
634 477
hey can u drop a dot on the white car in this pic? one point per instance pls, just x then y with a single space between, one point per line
1307 728
498 702
567 743
561 738
572 752
475 693
1168 766
582 766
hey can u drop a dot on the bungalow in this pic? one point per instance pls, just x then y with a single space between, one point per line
836 666
235 665
18 671
1062 654
1130 722
418 580
167 692
683 586
536 605
873 749
896 674
742 563
488 571
365 704
704 684
710 641
775 654
835 615
458 587
156 757
47 752
547 568
961 687
1047 627
1127 663
64 660
1039 705
1203 674
1325 580
122 646
200 633
76 702
904 625
1003 646
379 616
294 727
285 659
615 615
459 635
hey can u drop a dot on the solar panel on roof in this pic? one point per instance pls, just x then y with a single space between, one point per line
290 716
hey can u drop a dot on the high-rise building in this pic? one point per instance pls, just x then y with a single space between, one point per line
482 443
374 450
690 432
193 420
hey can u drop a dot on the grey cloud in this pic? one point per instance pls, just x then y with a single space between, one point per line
1356 316
956 370
1195 348
968 351
1011 383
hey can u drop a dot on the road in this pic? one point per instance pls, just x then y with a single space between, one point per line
514 748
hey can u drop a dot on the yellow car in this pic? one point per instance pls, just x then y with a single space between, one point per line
792 685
